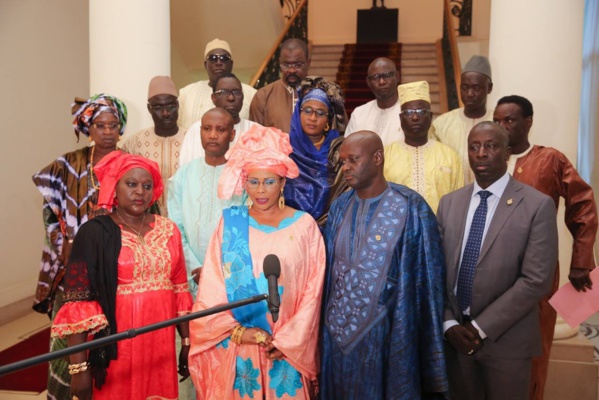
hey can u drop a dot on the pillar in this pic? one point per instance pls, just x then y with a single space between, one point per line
535 49
129 44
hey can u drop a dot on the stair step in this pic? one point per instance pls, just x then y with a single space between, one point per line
405 78
419 70
411 47
325 63
419 55
327 48
326 57
324 69
418 62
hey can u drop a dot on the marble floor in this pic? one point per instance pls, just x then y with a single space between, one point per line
32 323
590 329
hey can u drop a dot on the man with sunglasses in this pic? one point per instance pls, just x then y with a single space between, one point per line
161 142
274 103
380 114
453 127
422 164
196 98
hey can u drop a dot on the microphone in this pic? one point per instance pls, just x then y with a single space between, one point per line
272 271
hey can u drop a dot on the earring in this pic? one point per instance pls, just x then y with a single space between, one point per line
281 200
90 138
327 127
250 203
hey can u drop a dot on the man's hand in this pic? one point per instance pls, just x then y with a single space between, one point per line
580 279
463 339
183 363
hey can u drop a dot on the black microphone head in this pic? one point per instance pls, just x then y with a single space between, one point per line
272 265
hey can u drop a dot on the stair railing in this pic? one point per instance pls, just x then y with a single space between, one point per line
451 68
296 27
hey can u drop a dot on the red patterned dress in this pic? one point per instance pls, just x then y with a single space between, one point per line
152 287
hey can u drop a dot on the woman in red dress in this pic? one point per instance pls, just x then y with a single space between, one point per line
126 270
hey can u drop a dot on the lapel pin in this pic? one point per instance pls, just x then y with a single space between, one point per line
509 202
520 170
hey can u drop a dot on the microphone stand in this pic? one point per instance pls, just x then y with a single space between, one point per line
129 334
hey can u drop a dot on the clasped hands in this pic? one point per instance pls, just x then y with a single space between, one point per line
464 338
263 339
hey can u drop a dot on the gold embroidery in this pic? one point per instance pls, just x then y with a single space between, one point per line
141 287
181 288
92 324
152 262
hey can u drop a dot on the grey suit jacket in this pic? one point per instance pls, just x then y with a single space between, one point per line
515 269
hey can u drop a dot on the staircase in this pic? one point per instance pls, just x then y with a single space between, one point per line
419 63
325 61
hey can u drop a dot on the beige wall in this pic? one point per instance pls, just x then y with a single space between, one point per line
478 42
44 48
335 21
250 26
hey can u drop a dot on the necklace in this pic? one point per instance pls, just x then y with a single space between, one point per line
138 233
91 171
320 142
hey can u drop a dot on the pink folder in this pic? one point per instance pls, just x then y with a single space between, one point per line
575 307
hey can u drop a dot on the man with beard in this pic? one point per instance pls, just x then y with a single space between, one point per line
379 115
228 95
196 99
453 127
422 164
549 171
274 103
383 293
162 142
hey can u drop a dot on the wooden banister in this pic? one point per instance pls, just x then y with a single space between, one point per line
278 42
455 55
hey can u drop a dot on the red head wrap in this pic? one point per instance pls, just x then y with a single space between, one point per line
112 168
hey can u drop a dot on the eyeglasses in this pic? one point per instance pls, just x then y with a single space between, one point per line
218 57
161 107
421 112
110 127
385 75
288 65
269 183
226 93
319 113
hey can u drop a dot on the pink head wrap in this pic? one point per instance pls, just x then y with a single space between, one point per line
111 169
258 148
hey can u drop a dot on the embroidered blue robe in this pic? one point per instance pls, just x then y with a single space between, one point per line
382 335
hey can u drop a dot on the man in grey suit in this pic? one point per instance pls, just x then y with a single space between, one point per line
500 242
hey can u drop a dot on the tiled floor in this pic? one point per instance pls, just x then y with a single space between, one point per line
14 332
591 330
32 323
